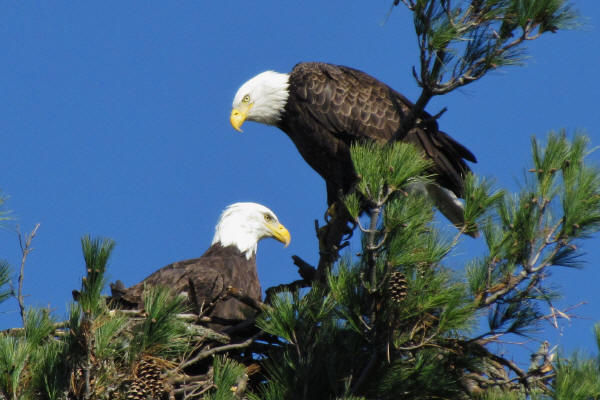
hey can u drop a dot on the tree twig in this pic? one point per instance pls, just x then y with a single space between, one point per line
306 271
331 239
25 250
291 287
244 298
234 346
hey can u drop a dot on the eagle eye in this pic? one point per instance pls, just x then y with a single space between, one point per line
246 99
268 218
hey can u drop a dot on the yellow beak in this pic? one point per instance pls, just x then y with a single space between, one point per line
238 116
281 234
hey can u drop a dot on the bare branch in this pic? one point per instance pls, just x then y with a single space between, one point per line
408 3
26 248
291 287
331 239
244 298
207 353
306 271
425 342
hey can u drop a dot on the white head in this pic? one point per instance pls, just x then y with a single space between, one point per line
261 99
243 224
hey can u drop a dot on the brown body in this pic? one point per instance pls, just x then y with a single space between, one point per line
205 280
329 107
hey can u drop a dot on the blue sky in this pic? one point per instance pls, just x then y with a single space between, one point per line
114 119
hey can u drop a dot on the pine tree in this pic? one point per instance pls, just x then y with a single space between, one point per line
393 321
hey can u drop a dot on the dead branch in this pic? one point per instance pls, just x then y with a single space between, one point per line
244 298
58 330
207 353
198 330
331 239
306 271
25 250
142 314
285 287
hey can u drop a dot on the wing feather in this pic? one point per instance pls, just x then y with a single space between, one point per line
341 105
205 281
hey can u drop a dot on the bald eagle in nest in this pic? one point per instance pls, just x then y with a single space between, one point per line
229 261
325 108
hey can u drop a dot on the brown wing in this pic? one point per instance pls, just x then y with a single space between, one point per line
205 280
345 102
340 105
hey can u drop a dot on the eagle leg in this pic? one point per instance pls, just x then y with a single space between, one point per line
329 213
337 210
350 231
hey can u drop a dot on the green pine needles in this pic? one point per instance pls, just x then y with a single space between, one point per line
460 41
229 380
5 290
161 333
357 337
391 321
92 354
95 253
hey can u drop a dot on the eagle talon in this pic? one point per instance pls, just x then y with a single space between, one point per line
331 212
350 231
328 214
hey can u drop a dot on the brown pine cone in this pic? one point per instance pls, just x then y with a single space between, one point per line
397 286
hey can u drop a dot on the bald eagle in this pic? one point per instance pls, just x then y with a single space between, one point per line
325 108
229 261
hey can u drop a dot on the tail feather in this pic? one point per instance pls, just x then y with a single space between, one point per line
450 206
446 201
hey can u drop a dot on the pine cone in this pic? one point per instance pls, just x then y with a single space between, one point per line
397 286
136 391
147 380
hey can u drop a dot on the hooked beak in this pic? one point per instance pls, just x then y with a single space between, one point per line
281 233
238 116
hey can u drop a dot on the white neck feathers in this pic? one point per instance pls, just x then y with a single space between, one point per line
240 225
268 93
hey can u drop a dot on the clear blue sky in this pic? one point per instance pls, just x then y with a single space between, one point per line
114 119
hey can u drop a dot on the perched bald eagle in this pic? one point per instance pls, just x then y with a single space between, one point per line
229 261
324 108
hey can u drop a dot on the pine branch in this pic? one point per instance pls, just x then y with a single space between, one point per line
306 271
234 346
370 249
191 387
475 39
244 298
200 332
285 287
87 362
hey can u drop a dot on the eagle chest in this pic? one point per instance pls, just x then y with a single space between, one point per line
325 152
